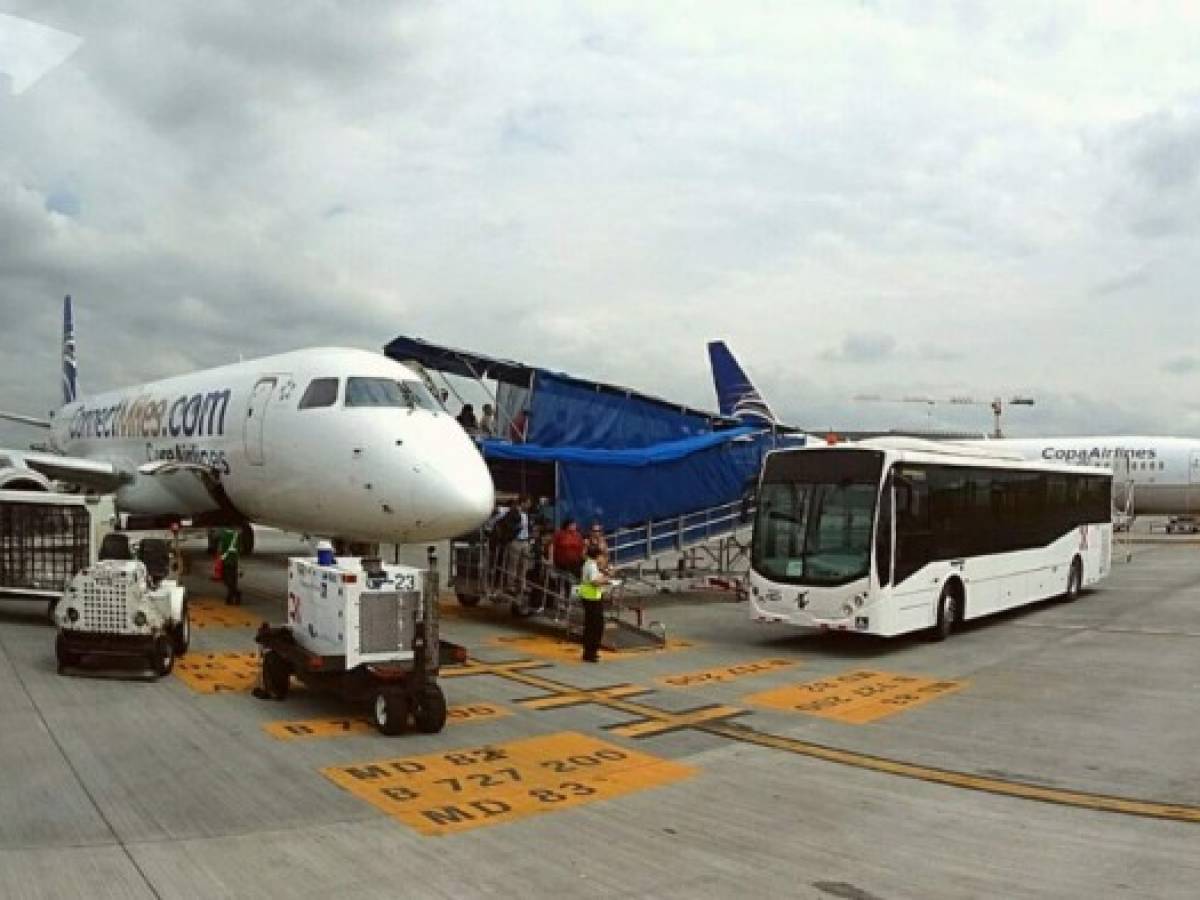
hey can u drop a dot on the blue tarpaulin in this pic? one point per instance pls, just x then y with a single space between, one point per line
633 486
567 412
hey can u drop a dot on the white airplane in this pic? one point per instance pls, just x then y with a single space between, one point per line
1164 471
331 441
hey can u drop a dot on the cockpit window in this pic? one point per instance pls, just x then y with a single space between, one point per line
320 392
387 392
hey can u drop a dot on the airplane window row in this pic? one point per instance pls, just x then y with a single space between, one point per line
1136 466
323 392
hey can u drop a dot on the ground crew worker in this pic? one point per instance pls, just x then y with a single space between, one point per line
591 595
229 566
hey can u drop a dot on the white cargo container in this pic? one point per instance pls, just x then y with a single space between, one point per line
366 629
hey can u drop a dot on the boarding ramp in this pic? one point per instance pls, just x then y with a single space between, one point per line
710 546
533 589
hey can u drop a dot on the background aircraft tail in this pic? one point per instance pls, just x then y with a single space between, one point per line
69 386
736 394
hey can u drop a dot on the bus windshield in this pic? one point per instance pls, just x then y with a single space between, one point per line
815 517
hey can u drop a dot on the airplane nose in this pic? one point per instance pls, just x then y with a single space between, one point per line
458 494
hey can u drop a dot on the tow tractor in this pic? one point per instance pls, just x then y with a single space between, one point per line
122 606
366 630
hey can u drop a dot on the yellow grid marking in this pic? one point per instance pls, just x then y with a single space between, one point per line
444 793
574 698
856 697
725 673
218 673
665 721
306 729
209 612
560 650
1178 812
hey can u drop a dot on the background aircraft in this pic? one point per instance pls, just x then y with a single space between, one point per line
331 441
1163 471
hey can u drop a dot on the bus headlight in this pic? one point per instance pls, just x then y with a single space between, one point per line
859 601
847 610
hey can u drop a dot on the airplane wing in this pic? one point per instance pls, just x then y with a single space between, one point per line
89 473
25 420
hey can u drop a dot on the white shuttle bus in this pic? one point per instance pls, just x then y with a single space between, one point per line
892 536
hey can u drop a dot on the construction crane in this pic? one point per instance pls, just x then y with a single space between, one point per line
996 403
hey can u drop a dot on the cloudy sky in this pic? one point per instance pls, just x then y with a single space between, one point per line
890 198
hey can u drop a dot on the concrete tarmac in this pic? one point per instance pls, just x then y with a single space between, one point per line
1050 752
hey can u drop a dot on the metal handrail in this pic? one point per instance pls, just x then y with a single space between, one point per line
643 542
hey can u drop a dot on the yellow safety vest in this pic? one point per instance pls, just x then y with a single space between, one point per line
587 590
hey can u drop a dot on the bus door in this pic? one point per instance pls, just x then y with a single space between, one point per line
885 534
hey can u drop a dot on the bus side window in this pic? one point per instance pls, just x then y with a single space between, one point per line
913 535
883 535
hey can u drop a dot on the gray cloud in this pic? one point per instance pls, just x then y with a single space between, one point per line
1182 365
214 182
862 348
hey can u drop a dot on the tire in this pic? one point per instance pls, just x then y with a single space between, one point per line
162 658
1074 581
62 655
389 711
181 634
276 675
430 714
948 615
468 600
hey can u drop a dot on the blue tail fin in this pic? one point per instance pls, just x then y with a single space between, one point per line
736 395
69 386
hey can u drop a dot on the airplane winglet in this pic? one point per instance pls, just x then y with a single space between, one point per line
25 420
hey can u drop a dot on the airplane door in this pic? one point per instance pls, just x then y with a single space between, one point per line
256 419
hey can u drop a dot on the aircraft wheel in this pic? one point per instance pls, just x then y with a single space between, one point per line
389 711
467 599
430 714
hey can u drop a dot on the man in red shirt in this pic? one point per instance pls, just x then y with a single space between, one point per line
567 548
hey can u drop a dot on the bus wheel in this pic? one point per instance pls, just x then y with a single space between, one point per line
948 614
1074 580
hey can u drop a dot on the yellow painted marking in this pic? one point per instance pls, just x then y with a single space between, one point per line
1178 812
444 793
1100 802
560 650
209 612
306 729
573 698
725 673
503 669
218 673
856 697
664 721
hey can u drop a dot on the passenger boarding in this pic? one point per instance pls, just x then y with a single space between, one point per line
332 441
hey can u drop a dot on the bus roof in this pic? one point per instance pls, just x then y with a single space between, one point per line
914 450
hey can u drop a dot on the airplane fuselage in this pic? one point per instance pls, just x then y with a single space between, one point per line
379 463
1164 471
